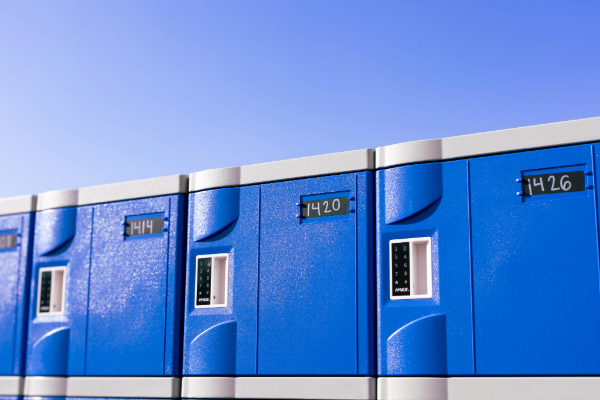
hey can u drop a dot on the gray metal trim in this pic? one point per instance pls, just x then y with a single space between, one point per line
18 204
57 199
50 386
485 388
494 142
11 385
143 188
209 387
124 387
262 387
328 164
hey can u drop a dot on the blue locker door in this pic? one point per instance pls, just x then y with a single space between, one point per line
222 340
56 343
11 255
431 335
128 291
535 264
307 281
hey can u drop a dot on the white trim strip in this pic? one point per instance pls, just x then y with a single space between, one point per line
328 164
11 386
485 388
334 388
51 386
18 205
124 387
143 188
495 142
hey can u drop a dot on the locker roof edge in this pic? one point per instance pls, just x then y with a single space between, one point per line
297 168
138 189
18 204
487 143
57 199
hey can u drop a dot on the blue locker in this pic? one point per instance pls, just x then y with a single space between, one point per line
424 330
535 263
108 274
272 290
508 237
16 231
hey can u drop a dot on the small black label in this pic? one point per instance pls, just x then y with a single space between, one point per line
563 182
45 285
148 226
203 281
8 241
325 207
400 269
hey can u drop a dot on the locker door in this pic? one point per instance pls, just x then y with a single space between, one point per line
128 288
308 278
535 263
56 341
10 257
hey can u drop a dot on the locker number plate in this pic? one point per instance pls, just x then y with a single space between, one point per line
564 182
8 241
325 207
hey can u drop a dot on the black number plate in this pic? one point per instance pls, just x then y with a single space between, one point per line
400 269
203 281
8 241
148 226
45 291
564 182
325 207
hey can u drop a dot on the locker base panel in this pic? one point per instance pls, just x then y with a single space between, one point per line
334 388
53 386
11 385
104 387
496 388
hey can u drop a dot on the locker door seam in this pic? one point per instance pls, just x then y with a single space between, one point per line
167 289
356 267
471 264
15 328
258 274
87 315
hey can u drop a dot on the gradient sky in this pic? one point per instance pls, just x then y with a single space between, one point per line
95 92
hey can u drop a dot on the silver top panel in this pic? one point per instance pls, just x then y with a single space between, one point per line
153 187
495 142
57 199
328 164
17 205
139 189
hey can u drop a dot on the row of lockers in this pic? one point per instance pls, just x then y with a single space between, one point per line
424 262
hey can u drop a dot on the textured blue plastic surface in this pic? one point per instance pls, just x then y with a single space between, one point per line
535 269
314 314
56 344
133 327
309 321
123 318
15 267
222 341
426 336
10 398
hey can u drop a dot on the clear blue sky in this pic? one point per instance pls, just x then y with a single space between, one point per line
95 92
